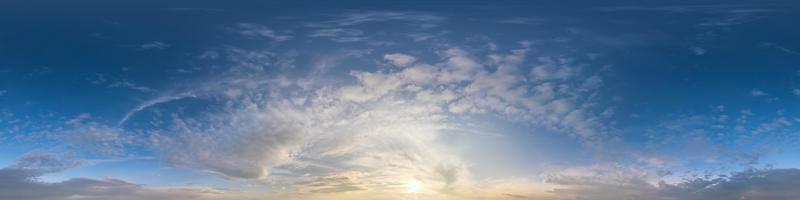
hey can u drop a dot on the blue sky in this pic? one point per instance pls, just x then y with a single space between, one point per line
399 100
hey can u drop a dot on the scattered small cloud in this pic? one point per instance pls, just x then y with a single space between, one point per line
399 59
522 21
779 47
130 85
260 31
758 93
197 9
697 50
154 45
339 34
418 19
46 162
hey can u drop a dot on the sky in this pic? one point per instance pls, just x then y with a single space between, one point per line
399 100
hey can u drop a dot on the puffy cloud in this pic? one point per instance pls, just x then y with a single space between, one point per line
552 72
399 59
97 139
459 66
245 144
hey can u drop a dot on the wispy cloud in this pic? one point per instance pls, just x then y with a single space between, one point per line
521 21
260 31
339 34
154 45
152 102
748 184
197 9
418 19
130 85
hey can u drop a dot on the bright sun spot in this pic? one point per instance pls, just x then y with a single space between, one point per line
414 186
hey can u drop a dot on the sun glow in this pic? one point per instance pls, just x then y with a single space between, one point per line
414 186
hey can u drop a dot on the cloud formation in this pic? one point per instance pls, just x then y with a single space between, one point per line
749 184
370 131
399 59
260 31
21 184
21 181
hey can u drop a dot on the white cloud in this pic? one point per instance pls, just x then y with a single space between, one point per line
154 45
260 31
78 119
553 69
131 85
422 20
148 46
521 21
399 59
757 93
151 102
339 34
633 184
697 50
459 66
97 138
40 162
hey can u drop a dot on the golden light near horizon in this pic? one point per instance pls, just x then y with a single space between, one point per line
414 186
